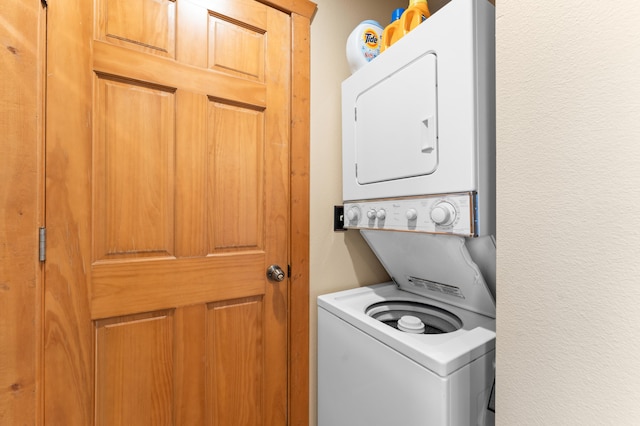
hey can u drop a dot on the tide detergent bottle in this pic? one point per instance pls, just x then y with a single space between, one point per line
416 13
363 44
392 32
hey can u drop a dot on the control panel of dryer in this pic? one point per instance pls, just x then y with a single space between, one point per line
454 214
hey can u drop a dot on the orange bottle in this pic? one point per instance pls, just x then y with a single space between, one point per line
392 32
416 13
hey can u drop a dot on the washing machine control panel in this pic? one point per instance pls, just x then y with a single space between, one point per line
454 214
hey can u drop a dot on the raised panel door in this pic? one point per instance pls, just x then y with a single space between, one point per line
167 198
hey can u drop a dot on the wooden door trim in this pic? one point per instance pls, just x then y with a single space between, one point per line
300 165
298 399
304 8
21 171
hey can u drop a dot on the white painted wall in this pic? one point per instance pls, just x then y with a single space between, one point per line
568 166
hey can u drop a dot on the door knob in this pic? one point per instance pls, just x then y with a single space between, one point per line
275 273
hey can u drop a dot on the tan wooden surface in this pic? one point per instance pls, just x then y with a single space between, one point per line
303 8
21 127
300 165
168 161
21 121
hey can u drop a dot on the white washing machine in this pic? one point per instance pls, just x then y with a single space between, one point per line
419 184
418 351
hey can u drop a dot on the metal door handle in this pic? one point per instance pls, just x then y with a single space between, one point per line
275 273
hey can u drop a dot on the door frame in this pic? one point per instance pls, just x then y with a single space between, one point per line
23 52
298 395
301 12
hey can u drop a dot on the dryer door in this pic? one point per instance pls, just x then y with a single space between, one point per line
396 128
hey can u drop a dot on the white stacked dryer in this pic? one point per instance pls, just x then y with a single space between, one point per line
419 184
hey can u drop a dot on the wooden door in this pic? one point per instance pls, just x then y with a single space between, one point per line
167 197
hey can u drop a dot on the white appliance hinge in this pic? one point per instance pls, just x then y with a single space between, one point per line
42 240
355 113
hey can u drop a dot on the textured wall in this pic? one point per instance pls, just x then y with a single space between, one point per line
568 120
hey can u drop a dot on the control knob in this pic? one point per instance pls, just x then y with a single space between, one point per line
382 214
443 214
411 214
371 214
353 214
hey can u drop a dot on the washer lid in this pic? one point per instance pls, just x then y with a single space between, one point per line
435 266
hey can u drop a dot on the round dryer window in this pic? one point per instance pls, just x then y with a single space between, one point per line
413 317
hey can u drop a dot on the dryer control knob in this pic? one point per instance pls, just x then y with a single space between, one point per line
353 214
443 214
411 214
381 214
371 214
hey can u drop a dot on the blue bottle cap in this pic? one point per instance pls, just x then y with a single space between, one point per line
396 14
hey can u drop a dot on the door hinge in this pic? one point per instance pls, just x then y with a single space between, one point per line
355 114
42 238
289 271
44 3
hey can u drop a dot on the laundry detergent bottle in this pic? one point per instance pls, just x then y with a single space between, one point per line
392 32
416 13
363 44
